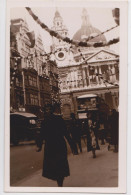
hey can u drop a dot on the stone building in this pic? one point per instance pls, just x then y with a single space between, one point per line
98 75
34 79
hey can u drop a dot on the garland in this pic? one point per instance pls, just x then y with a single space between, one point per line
14 73
102 77
81 54
70 41
93 37
38 55
48 55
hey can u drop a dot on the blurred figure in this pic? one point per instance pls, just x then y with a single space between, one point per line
95 125
92 144
40 116
53 131
102 131
114 125
75 131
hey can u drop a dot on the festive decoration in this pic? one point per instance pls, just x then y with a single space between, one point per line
47 55
116 15
100 76
68 40
94 36
31 36
14 72
81 54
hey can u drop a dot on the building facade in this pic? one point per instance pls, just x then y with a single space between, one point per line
34 79
85 71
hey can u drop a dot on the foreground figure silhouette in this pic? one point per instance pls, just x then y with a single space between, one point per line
53 131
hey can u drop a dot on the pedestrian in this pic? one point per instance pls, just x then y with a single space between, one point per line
102 131
91 138
75 131
114 125
53 131
95 125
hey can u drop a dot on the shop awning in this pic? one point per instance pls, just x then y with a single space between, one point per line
86 96
24 114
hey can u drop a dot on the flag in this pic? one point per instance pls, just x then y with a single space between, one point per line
31 36
115 13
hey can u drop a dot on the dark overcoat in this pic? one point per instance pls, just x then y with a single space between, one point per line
55 163
114 123
75 130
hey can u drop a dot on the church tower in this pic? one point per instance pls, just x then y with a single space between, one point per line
60 28
59 47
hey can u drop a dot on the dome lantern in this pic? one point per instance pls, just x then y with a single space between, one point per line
85 18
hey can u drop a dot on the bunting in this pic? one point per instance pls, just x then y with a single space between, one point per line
116 15
31 36
70 41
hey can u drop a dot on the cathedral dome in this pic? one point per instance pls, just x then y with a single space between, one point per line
87 30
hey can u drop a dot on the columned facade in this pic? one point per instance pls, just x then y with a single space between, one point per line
98 77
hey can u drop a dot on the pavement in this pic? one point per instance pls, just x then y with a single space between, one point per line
85 171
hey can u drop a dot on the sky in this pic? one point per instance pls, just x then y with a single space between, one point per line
100 18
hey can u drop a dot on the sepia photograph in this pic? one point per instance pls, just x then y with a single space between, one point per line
66 97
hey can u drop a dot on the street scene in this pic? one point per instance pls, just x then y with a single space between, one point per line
64 97
84 171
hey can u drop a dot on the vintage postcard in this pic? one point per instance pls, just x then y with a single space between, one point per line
66 96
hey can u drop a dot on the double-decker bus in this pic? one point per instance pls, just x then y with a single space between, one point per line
96 106
92 103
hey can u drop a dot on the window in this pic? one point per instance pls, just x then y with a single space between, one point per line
32 81
27 99
19 82
26 80
41 85
34 99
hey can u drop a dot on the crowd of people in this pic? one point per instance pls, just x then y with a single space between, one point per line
55 134
95 129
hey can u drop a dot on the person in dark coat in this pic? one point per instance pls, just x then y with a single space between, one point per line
114 125
53 131
75 131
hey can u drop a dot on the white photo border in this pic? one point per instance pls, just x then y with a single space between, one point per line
122 94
